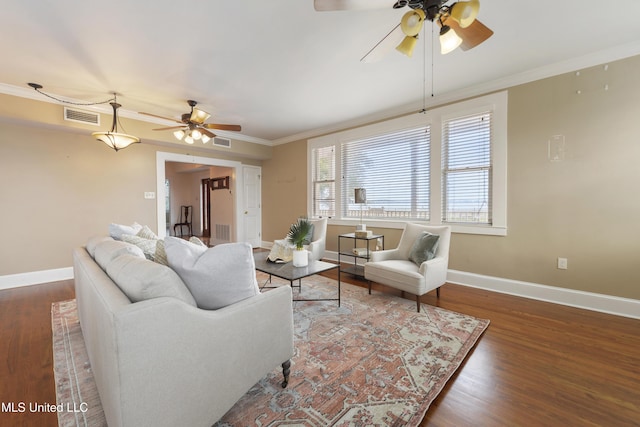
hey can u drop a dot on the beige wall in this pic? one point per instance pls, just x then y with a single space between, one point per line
284 189
584 208
58 186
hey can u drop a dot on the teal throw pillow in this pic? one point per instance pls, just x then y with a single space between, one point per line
309 237
424 248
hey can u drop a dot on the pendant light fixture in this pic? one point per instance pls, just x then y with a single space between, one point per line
113 138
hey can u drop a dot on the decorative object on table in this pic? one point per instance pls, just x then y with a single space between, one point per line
300 234
360 195
363 234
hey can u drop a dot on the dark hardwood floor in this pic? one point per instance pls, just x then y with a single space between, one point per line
538 364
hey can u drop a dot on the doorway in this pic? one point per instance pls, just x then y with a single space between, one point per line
237 196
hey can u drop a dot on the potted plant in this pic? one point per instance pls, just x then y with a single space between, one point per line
300 234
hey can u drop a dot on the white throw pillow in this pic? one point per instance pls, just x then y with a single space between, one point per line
216 277
141 279
117 230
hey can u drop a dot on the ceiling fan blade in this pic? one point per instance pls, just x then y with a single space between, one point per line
170 128
160 117
206 132
222 127
330 5
384 46
472 35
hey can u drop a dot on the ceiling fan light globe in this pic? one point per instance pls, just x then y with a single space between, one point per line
449 40
199 116
464 13
205 139
179 134
411 22
407 45
196 134
188 140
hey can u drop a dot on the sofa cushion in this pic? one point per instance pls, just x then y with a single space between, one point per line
424 248
216 277
109 250
141 279
117 230
93 242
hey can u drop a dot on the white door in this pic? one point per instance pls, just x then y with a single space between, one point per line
252 205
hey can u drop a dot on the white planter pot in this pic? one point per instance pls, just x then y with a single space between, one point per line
300 258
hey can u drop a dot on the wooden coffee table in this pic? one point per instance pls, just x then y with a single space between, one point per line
288 272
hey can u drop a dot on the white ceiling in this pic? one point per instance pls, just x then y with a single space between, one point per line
282 70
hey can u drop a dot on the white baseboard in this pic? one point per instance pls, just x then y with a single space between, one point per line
35 277
618 306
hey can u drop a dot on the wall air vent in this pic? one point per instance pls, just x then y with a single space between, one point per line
222 142
79 116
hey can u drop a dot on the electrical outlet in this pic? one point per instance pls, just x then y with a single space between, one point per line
149 195
562 263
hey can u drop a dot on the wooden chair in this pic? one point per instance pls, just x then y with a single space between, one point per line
185 220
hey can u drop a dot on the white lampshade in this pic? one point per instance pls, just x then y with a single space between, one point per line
449 40
188 139
117 141
179 134
113 138
196 134
205 139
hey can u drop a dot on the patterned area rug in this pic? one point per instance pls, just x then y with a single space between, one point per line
372 361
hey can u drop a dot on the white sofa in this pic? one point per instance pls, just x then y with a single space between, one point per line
164 362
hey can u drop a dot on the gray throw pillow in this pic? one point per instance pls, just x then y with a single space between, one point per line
141 279
424 248
216 277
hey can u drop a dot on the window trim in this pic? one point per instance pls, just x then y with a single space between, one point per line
435 117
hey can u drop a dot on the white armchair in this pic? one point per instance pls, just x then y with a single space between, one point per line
393 267
319 240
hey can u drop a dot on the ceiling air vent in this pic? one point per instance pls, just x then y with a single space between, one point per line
73 115
222 142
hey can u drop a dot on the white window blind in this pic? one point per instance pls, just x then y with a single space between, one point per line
393 169
324 181
467 170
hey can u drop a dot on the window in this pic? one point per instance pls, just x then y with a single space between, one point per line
466 169
394 170
447 166
324 176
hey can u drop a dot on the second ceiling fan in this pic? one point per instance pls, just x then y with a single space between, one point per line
458 24
193 126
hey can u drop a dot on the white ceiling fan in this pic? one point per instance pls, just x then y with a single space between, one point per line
458 24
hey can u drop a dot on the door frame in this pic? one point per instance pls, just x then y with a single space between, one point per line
163 157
